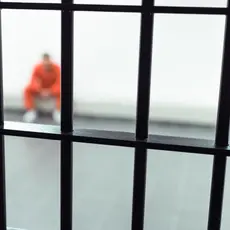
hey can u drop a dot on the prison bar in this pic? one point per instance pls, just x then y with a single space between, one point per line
2 144
115 138
222 136
222 127
142 141
66 116
142 117
115 8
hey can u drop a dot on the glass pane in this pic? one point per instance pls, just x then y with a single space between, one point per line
106 67
109 2
196 3
103 182
186 68
27 35
32 183
225 224
177 190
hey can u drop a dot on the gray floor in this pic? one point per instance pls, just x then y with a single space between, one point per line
178 184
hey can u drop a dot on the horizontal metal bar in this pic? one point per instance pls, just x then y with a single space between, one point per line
107 8
190 10
31 6
70 7
115 8
114 138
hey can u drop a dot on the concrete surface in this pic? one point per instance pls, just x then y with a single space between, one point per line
178 184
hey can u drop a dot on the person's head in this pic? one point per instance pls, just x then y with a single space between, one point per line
46 60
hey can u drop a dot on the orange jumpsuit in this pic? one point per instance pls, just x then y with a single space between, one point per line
43 80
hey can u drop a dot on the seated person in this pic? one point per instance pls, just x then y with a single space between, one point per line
45 82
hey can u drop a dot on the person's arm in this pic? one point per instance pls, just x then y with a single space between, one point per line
35 81
56 88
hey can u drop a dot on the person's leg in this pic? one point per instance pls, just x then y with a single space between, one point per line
29 96
56 113
58 101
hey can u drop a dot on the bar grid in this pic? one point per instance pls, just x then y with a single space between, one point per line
140 140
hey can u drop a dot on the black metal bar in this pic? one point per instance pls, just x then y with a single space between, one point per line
1 77
2 144
67 70
66 185
30 6
190 10
2 185
115 138
222 136
71 7
217 191
144 75
66 116
115 8
139 181
223 116
108 8
143 98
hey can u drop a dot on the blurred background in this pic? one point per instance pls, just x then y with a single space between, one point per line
186 69
186 63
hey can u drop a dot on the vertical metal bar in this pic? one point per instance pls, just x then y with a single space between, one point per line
144 75
66 185
222 136
1 76
66 116
67 69
143 98
2 144
139 181
223 116
217 191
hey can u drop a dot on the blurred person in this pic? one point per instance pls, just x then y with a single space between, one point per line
44 83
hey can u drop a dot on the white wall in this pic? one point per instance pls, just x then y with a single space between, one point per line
186 61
